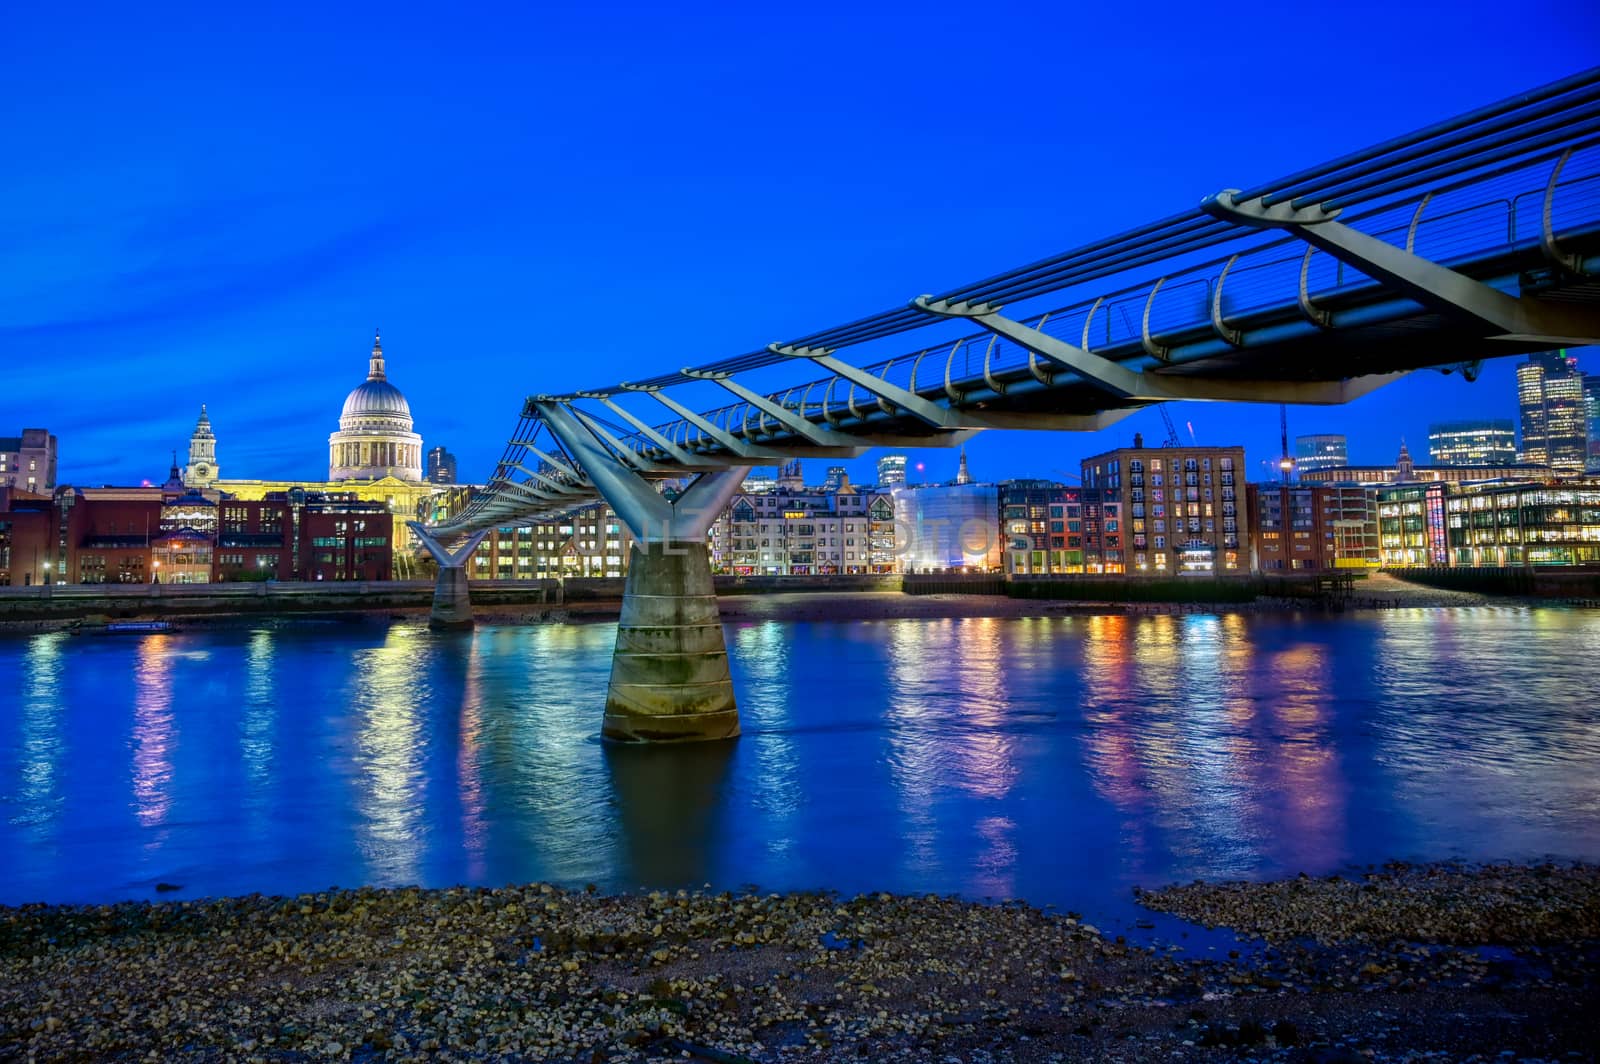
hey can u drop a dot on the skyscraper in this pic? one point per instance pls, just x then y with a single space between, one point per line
891 470
1550 394
1326 450
1591 410
1473 443
837 475
441 467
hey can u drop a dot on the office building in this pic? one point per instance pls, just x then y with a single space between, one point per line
1523 524
1591 413
1405 471
891 471
441 467
1555 430
1321 451
1473 443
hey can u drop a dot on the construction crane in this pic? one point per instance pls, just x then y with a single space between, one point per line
1286 464
1172 430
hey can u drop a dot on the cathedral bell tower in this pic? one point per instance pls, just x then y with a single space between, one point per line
201 472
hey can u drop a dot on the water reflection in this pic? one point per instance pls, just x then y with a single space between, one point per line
154 731
1055 759
390 748
670 803
260 711
41 747
469 764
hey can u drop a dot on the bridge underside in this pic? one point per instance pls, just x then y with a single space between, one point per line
1478 238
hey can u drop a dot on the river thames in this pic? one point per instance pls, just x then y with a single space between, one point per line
1061 760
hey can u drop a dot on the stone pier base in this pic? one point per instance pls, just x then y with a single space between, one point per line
669 674
452 603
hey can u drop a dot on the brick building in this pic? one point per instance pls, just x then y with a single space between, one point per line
1310 527
140 535
1171 511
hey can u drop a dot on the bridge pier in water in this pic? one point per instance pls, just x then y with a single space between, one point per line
669 670
452 598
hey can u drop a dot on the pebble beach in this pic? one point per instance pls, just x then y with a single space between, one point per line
1400 963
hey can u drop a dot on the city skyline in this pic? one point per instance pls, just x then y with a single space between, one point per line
1493 393
242 260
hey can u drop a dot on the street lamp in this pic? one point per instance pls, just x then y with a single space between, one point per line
155 577
47 574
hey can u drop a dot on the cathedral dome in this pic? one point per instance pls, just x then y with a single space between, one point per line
376 398
375 437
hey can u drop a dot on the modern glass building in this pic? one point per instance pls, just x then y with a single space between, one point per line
1550 396
891 470
1524 525
441 467
941 527
1473 443
1591 411
1326 450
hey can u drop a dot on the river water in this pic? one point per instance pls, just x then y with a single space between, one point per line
1061 760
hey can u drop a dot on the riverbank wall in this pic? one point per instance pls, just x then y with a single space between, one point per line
112 602
1550 583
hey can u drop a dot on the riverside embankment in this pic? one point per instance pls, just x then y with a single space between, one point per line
1402 964
769 598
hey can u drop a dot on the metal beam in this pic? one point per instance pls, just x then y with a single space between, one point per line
1125 383
684 457
923 409
549 482
447 559
1436 287
627 455
633 500
787 418
753 453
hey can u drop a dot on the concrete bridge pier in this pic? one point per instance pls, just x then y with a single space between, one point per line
452 598
669 672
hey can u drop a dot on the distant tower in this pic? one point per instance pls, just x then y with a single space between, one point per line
790 478
1404 467
441 467
962 476
1554 428
174 484
201 472
891 470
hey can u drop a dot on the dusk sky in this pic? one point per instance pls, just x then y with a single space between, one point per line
217 206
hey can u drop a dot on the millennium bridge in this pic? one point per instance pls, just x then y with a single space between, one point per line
1475 238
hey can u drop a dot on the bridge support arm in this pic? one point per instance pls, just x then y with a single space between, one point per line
1436 287
452 596
1139 387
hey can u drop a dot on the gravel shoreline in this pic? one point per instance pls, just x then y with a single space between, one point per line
539 973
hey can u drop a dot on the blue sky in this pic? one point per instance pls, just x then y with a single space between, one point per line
210 205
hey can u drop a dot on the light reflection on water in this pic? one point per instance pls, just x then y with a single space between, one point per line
1058 759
